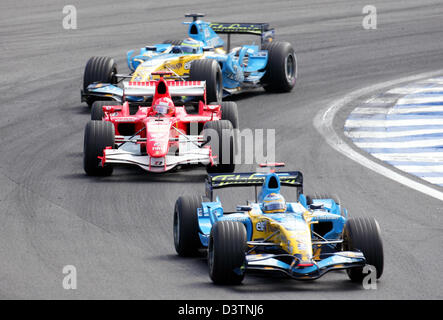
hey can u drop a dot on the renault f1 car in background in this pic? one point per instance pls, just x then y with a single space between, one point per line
310 238
162 136
202 56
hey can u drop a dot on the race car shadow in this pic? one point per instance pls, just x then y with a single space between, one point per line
78 109
252 93
124 174
266 282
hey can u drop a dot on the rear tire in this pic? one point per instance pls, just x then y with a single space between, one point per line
208 70
281 70
186 229
98 136
226 252
363 234
97 109
222 140
99 69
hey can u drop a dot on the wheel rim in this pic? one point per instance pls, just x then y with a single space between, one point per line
290 68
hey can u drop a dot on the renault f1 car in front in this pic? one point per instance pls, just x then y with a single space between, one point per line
303 239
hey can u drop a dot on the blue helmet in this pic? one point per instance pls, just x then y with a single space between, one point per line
273 203
190 45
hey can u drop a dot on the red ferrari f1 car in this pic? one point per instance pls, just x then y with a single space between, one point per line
161 136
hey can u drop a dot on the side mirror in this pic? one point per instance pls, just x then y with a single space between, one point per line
111 109
213 107
206 49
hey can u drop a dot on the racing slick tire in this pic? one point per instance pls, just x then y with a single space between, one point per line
97 109
226 252
281 70
221 140
98 136
173 42
208 70
229 112
186 229
99 69
363 234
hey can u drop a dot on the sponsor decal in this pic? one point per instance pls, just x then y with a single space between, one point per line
261 225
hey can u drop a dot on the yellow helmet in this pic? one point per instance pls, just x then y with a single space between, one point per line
273 203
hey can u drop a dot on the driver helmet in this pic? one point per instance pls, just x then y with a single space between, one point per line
163 106
190 45
273 203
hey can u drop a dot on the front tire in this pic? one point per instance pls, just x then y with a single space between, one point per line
226 252
98 136
363 234
281 70
208 70
186 229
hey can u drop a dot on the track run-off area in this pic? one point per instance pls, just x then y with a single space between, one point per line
407 134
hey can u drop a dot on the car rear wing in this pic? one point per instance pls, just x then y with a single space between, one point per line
246 179
176 88
260 29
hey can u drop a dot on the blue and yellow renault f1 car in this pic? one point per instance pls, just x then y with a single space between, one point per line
203 55
310 238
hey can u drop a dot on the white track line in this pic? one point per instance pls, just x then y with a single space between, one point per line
415 100
374 110
390 134
323 122
434 180
377 123
421 169
424 143
411 90
411 157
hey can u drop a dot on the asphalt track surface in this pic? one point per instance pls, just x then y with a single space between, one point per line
117 231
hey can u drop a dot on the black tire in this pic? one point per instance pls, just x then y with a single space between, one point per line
281 70
229 112
208 70
186 229
226 252
222 140
363 234
97 109
173 42
98 136
99 69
